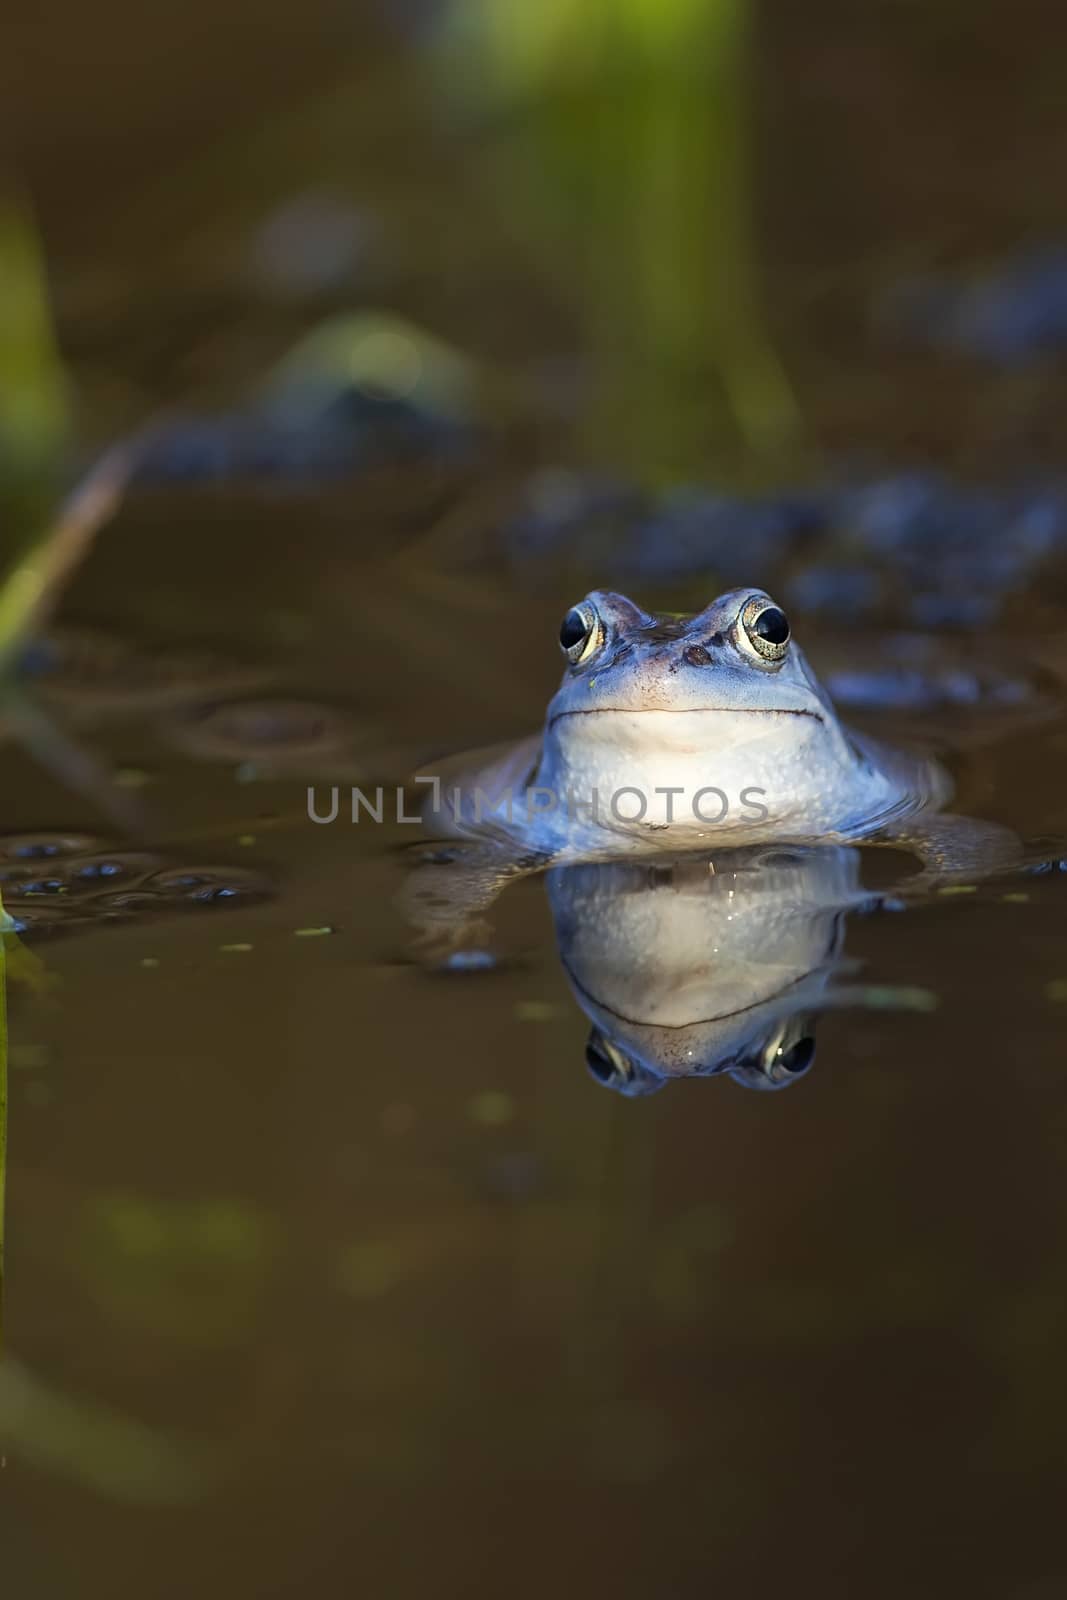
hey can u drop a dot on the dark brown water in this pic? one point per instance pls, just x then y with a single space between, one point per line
325 1273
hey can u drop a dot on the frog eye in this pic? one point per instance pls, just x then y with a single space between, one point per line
782 1062
580 633
609 1066
766 628
794 1058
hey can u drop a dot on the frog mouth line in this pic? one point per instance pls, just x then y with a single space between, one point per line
694 1022
688 711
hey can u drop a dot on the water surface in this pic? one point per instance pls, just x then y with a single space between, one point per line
326 1271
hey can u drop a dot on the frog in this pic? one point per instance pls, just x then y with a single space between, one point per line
688 731
687 967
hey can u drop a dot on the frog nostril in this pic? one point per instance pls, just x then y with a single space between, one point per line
697 656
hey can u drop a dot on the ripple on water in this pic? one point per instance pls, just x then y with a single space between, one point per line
273 734
57 882
93 669
207 885
44 846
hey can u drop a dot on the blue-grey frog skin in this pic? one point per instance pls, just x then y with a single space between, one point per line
723 702
688 967
703 732
686 732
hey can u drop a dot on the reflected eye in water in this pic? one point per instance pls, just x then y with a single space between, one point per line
766 628
581 633
784 1061
797 1058
610 1067
598 1061
687 974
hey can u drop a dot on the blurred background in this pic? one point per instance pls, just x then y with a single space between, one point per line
374 335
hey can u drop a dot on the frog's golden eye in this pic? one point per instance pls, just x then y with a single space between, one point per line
766 628
580 633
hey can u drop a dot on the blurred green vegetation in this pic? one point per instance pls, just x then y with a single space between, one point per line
19 966
383 356
33 396
42 536
33 401
33 418
194 1272
96 1446
3 1103
622 132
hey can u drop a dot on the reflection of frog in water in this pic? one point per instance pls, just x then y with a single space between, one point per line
706 732
688 970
